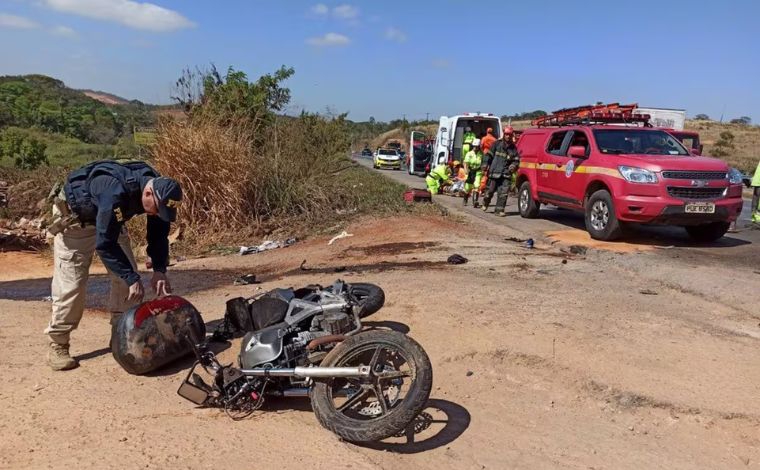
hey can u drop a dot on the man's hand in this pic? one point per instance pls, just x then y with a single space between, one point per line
136 292
160 284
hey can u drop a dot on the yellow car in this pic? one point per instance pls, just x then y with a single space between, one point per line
387 158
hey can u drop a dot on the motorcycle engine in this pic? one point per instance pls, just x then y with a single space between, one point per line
295 352
335 323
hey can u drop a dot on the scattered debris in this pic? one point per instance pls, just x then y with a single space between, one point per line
417 195
456 259
515 239
529 244
578 249
668 247
564 261
267 245
245 280
47 298
648 292
342 234
303 266
340 269
469 373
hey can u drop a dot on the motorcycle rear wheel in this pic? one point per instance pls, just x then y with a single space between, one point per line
382 405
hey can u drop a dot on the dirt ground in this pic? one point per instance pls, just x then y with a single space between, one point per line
543 358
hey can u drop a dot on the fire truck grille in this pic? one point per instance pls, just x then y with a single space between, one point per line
695 193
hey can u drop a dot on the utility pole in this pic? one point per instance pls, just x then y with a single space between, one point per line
427 117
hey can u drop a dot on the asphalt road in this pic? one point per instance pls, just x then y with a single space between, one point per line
733 249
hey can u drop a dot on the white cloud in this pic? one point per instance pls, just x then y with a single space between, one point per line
393 34
320 9
346 12
139 15
64 31
328 40
440 63
17 22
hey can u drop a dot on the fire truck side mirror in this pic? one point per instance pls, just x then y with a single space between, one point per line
577 151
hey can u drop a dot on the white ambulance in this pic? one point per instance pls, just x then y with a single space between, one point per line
451 129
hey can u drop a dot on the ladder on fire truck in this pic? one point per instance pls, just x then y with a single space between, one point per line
612 113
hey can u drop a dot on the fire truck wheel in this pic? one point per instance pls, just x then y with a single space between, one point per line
528 206
601 221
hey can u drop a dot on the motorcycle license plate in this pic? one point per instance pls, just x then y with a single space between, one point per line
700 208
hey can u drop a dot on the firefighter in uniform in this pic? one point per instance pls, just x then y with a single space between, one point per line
487 141
469 136
439 177
501 161
473 172
89 215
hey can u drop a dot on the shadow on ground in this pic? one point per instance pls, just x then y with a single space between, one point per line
98 285
439 424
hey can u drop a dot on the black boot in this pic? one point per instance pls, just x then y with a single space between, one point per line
475 202
465 198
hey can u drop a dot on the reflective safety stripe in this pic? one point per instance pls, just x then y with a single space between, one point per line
589 170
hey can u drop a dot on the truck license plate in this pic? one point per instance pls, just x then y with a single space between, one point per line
700 208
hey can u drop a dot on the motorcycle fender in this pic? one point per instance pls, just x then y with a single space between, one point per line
261 347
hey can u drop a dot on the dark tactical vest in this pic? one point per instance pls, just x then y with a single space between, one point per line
129 174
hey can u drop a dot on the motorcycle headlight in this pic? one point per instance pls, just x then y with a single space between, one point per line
735 176
637 175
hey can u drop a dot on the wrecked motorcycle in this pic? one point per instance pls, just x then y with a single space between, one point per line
364 384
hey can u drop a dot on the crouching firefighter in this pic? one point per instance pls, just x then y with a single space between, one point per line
501 160
439 177
89 215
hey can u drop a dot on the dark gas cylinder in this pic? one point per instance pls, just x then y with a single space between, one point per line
152 334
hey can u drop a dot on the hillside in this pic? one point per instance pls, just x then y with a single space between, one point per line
105 98
746 142
47 104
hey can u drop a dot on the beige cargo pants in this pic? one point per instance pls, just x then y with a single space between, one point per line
72 255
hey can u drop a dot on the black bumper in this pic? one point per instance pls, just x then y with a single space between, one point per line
675 215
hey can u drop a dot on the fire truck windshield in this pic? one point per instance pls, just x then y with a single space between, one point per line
638 141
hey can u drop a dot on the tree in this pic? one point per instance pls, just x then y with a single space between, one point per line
744 121
208 94
702 117
524 116
724 146
27 152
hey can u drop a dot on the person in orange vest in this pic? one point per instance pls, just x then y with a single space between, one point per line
487 140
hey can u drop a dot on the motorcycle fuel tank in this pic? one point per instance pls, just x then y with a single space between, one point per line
261 347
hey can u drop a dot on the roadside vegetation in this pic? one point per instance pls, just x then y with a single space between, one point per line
248 171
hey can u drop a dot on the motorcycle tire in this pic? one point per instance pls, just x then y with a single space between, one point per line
370 297
400 414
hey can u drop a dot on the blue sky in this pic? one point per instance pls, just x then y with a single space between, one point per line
388 58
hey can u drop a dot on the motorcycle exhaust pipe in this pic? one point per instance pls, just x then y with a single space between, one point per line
304 392
309 372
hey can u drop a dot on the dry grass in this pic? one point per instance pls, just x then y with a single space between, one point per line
746 153
300 181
